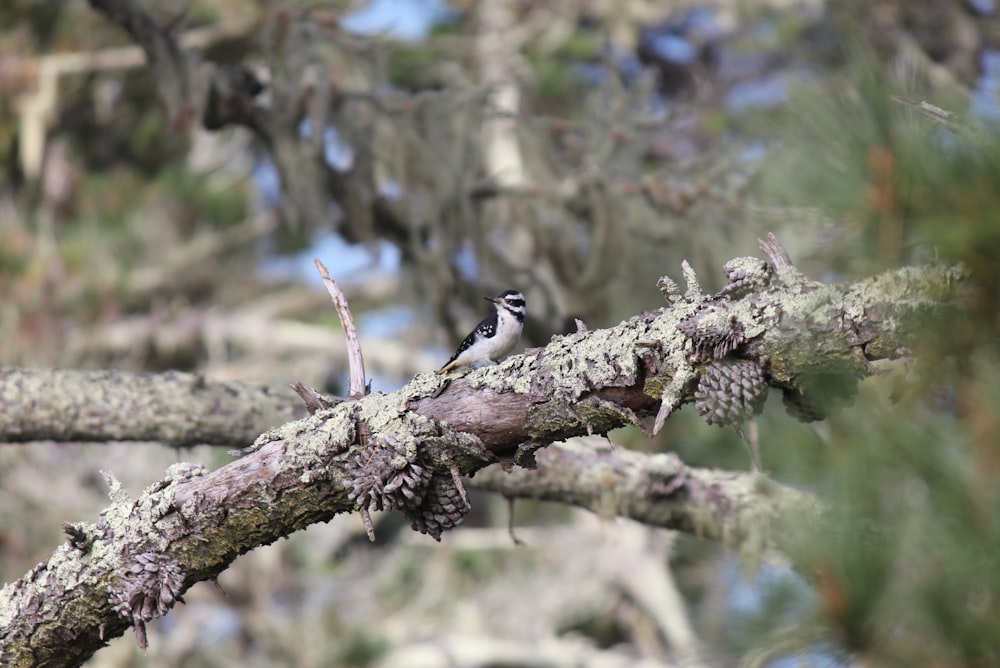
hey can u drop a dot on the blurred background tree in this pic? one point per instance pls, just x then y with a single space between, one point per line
162 213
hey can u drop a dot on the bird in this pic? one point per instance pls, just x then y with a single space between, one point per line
495 336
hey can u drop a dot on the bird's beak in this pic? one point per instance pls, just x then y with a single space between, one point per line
495 300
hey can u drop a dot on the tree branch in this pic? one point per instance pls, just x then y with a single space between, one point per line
178 409
769 326
193 89
358 383
743 511
175 72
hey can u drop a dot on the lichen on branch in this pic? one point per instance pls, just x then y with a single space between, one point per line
770 327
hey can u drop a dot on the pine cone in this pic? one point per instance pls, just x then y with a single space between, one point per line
406 488
443 508
745 274
712 333
381 477
730 391
150 585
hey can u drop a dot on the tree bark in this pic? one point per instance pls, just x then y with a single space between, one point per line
769 327
743 511
178 409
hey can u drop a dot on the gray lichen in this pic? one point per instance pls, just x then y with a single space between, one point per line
745 274
407 462
712 332
511 375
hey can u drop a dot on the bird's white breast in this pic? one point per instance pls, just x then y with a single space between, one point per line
508 333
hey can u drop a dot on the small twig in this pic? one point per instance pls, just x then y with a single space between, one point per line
694 292
358 387
752 444
669 289
456 477
666 408
310 397
779 256
369 527
510 521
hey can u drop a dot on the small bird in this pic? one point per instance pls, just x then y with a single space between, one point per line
495 336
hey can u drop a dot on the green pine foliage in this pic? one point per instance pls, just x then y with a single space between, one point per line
904 567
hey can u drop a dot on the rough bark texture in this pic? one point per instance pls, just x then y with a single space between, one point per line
743 511
404 450
178 409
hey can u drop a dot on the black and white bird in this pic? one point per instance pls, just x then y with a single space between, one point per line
495 336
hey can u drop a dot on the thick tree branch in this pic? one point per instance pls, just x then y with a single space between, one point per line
813 328
768 327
